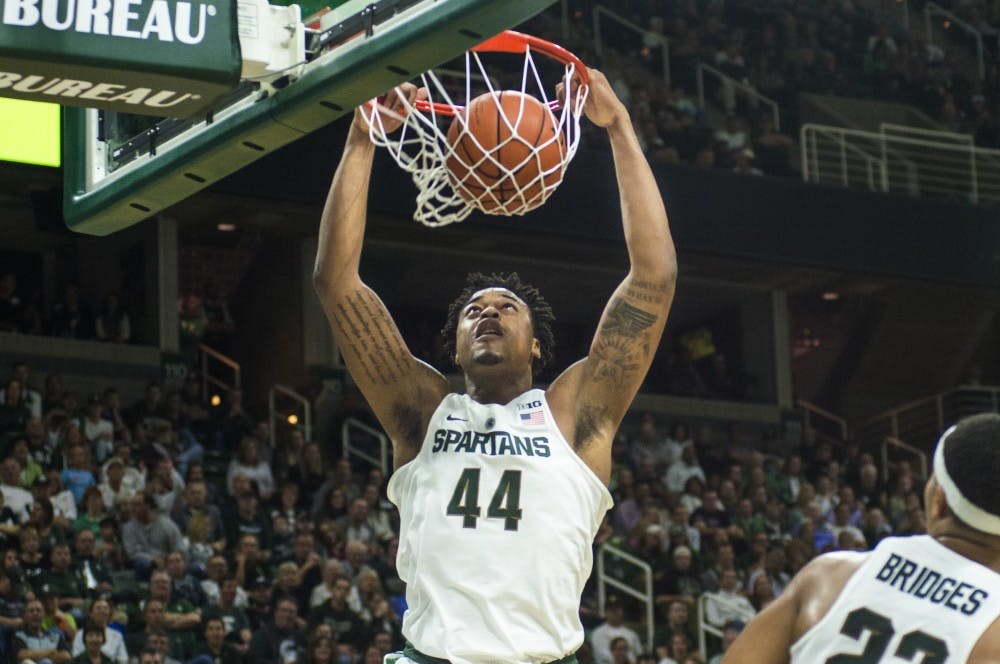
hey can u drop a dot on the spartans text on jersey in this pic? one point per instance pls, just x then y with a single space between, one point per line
490 443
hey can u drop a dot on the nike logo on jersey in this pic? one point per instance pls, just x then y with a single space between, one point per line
452 418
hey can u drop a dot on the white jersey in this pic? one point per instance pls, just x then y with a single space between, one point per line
912 595
497 518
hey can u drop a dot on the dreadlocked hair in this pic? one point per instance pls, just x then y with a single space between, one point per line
539 310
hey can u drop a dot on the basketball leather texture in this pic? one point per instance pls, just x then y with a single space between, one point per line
510 156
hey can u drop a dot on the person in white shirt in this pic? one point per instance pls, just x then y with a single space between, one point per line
248 462
114 490
332 570
728 603
14 496
99 432
679 438
682 470
99 614
841 524
613 627
133 479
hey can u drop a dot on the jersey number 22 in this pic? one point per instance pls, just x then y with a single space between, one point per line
880 631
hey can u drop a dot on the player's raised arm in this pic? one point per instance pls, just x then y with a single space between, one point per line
402 390
592 396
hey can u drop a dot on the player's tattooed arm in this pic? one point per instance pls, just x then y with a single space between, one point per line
621 343
628 334
368 335
605 383
401 389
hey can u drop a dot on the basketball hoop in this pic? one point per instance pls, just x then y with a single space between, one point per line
424 147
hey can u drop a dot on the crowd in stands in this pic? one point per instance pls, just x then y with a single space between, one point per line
170 530
70 317
204 317
730 525
111 524
781 48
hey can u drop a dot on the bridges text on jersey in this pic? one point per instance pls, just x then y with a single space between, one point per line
923 582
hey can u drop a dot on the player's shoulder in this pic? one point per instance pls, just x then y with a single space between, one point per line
829 569
840 559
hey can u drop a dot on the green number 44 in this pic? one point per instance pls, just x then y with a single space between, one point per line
505 504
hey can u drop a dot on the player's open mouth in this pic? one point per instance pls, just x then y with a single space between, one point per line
489 328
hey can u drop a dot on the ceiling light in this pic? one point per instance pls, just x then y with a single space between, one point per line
226 227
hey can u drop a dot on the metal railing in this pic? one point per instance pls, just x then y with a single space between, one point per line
851 158
952 137
921 422
208 359
907 450
754 97
949 20
351 448
823 421
912 161
299 418
705 627
647 36
604 580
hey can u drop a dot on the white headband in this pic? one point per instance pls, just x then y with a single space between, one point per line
971 514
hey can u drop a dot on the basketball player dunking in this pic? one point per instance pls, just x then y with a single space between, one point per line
500 490
933 598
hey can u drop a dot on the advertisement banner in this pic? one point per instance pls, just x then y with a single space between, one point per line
169 58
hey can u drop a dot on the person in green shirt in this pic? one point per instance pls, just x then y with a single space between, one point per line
31 470
92 512
60 580
233 617
180 617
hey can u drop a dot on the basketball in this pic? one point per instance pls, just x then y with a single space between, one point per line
506 153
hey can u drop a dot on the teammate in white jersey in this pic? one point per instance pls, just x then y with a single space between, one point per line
933 599
501 489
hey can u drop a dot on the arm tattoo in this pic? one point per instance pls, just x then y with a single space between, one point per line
368 333
621 343
647 291
625 320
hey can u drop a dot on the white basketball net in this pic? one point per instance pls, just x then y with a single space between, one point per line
421 147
